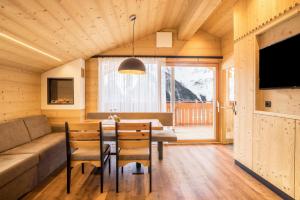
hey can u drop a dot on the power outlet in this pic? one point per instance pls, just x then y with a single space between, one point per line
268 104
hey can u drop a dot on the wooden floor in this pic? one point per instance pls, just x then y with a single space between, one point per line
194 132
187 172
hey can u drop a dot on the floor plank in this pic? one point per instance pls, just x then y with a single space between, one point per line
202 172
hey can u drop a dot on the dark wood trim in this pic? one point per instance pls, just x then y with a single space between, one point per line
269 185
156 56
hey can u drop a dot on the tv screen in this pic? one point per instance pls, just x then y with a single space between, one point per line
279 64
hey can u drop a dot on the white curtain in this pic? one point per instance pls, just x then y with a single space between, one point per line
128 92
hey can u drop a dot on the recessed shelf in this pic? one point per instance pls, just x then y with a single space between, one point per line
60 91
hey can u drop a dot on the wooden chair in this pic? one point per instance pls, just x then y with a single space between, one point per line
84 142
133 144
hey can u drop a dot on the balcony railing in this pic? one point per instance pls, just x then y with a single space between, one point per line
192 113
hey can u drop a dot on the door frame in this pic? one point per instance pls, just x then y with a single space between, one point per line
214 64
226 105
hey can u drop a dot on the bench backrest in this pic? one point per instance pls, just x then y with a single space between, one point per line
166 118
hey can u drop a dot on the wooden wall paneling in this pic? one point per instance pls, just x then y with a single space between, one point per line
244 93
19 93
91 85
297 161
281 31
240 19
252 15
227 50
201 43
60 116
274 151
272 147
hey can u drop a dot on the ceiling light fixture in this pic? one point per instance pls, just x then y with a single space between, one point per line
29 47
132 65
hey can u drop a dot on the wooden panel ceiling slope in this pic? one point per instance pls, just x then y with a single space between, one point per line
220 21
40 34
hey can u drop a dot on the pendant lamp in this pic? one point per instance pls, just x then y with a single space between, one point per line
132 65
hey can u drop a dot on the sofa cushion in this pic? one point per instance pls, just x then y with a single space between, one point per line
37 126
39 145
13 165
51 149
12 134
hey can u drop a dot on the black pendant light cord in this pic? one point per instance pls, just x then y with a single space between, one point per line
133 37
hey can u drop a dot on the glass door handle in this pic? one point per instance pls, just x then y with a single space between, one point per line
234 108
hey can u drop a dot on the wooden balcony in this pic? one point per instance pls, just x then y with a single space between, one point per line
192 113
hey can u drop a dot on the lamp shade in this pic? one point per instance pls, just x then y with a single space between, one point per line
132 66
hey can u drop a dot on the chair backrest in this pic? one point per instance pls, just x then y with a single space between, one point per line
133 135
84 135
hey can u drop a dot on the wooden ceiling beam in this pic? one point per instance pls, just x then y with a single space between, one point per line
220 21
196 15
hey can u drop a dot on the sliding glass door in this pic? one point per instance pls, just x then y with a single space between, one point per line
191 96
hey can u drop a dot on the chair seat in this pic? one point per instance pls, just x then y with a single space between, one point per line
89 154
134 154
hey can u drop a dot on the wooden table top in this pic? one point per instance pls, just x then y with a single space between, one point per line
109 125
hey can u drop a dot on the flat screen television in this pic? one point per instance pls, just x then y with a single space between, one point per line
279 64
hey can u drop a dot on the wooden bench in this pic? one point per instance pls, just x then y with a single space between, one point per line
165 118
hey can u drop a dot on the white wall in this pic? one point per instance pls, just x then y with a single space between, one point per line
69 70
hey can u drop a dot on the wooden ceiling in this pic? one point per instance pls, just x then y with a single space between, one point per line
220 21
40 34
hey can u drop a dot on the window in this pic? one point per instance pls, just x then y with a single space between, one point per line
130 93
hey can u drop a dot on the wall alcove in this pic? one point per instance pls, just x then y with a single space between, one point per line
283 101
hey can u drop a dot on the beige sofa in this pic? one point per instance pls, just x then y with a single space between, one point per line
29 152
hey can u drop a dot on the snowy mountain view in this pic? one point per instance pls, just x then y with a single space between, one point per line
191 84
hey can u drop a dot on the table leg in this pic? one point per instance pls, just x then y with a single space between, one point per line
160 148
139 169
